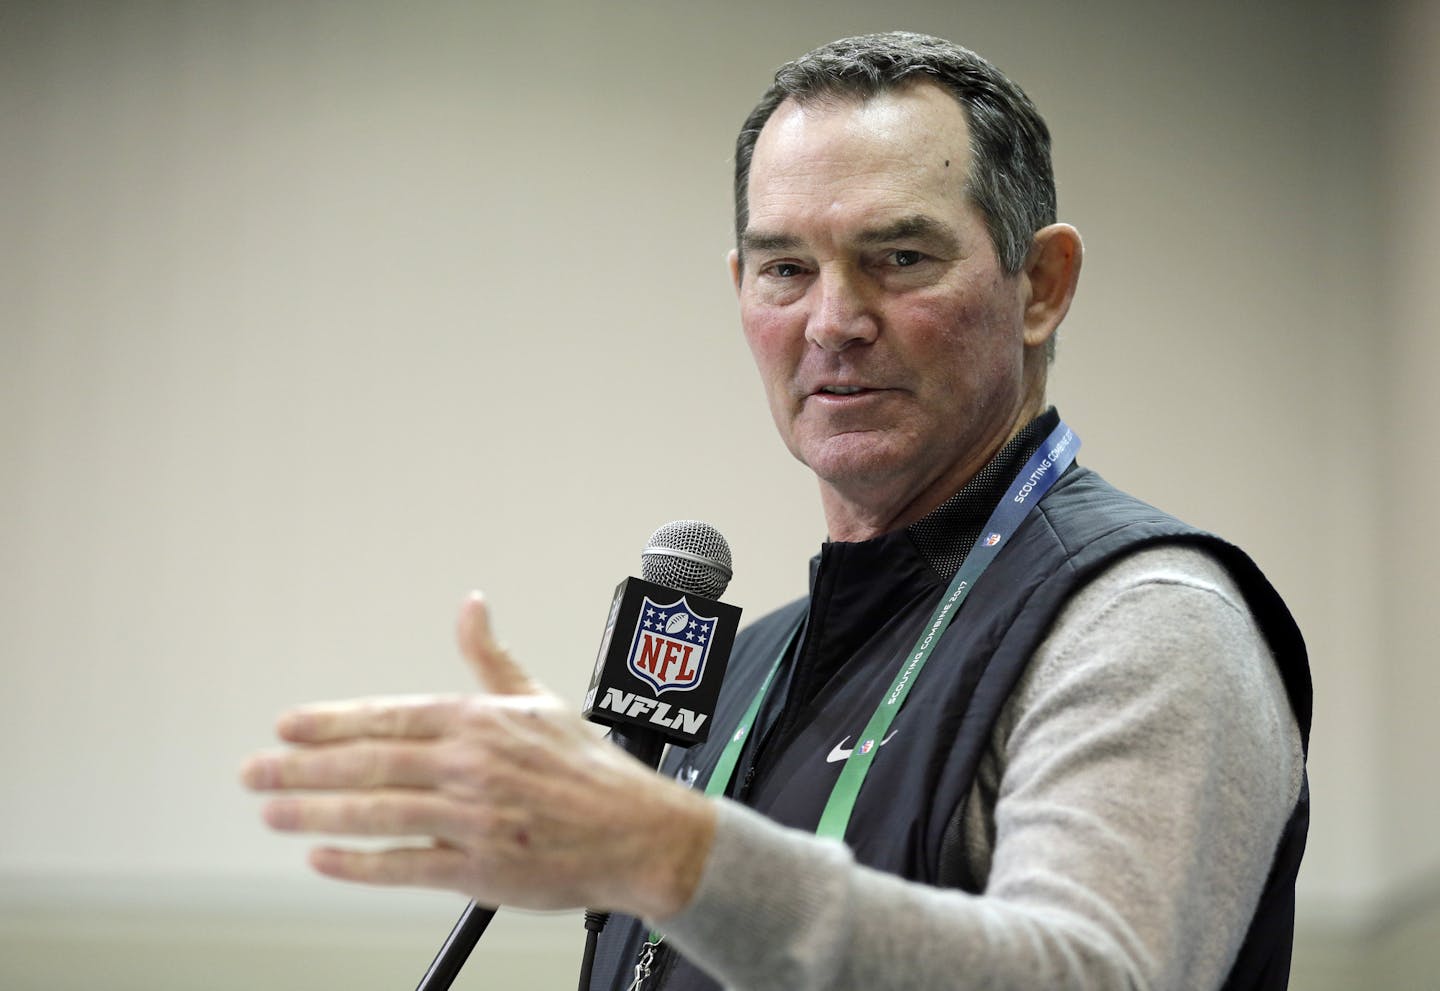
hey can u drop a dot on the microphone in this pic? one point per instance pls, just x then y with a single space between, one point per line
667 641
675 637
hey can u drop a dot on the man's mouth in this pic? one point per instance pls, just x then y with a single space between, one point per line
841 390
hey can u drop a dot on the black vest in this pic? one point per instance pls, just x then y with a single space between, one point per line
868 603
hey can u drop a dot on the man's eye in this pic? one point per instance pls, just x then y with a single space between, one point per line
785 270
905 258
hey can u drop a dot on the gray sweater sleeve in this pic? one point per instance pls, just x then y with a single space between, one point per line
1125 817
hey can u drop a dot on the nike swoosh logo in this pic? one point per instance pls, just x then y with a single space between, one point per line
841 752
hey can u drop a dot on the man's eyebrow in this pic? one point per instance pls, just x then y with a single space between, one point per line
767 241
917 226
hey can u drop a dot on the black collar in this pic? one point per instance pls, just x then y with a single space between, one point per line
947 533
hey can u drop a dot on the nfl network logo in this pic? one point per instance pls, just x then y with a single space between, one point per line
670 645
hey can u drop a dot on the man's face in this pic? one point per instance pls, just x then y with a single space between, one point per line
889 339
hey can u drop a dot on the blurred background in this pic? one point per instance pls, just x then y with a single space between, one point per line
315 315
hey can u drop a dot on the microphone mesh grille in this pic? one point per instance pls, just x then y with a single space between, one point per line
669 558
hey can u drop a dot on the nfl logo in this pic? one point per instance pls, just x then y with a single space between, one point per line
867 746
992 540
670 645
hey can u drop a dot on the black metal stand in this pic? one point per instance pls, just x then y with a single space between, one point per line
456 948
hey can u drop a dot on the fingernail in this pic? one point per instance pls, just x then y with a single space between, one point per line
292 725
280 814
258 773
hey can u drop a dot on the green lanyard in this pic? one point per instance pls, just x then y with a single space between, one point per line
1046 465
725 770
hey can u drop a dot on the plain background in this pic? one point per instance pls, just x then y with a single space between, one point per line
315 315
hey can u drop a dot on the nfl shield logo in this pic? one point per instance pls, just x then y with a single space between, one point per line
992 540
670 645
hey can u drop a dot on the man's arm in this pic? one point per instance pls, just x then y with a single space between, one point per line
1142 774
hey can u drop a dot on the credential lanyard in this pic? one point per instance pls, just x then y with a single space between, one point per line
1045 466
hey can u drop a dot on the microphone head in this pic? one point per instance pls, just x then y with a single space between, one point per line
688 556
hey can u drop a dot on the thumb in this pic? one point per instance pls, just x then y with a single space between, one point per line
495 669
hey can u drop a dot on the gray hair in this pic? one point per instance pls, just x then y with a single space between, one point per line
1010 179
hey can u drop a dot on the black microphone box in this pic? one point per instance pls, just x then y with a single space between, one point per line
661 661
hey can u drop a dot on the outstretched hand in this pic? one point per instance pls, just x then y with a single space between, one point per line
512 797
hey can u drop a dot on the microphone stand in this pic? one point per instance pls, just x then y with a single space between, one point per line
456 948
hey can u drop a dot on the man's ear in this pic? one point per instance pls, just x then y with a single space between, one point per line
1051 272
734 260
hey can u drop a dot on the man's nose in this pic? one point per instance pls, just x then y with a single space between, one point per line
843 313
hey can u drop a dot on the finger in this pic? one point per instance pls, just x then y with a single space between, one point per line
429 867
381 813
363 764
496 670
413 716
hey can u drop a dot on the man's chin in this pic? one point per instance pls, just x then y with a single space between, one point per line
857 460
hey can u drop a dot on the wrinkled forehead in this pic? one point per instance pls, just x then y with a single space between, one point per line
919 120
909 143
918 94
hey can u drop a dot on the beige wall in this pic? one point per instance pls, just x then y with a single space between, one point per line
313 316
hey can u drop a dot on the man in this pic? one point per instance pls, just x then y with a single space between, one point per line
1085 720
